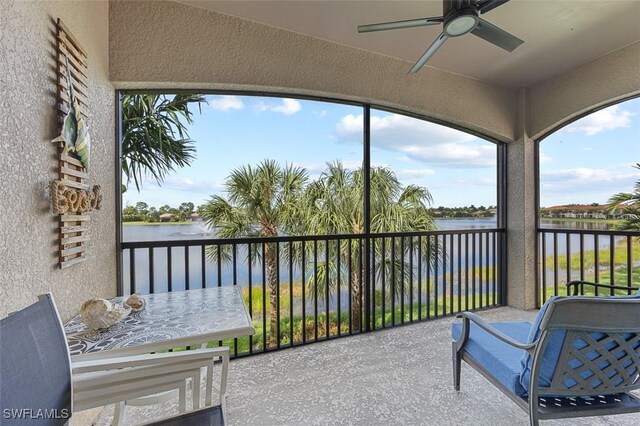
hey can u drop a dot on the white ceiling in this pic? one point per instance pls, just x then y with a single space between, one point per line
559 34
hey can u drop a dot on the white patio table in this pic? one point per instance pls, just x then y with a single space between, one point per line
169 320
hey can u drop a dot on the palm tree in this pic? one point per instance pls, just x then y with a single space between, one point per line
631 202
154 135
334 205
261 201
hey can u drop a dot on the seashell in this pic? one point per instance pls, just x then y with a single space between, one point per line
135 302
98 314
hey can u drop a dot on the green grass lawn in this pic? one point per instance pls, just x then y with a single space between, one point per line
620 270
307 327
619 256
298 329
441 307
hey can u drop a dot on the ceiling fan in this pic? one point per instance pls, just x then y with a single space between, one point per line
459 17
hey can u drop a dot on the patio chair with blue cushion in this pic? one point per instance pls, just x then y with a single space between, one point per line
580 357
41 384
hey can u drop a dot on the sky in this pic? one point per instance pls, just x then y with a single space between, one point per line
591 159
587 161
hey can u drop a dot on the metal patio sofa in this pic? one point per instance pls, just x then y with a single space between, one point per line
580 357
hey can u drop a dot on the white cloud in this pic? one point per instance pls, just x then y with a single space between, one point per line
226 102
544 158
350 125
287 106
403 159
587 175
415 173
174 190
609 118
321 113
585 185
315 169
356 164
469 186
190 185
421 140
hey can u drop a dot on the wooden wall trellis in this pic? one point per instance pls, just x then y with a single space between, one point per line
73 236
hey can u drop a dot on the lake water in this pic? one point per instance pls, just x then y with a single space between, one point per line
198 230
564 243
193 231
225 273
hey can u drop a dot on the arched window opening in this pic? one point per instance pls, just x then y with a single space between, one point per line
331 218
589 191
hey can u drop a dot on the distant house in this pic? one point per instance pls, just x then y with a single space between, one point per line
581 211
166 217
195 216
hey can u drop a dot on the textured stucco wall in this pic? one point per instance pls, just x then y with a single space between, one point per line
165 44
28 258
521 212
568 96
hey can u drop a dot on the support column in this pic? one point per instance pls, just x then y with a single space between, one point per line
521 196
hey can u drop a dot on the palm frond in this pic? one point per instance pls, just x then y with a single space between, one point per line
154 135
630 202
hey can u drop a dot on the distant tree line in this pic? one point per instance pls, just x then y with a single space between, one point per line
467 211
142 212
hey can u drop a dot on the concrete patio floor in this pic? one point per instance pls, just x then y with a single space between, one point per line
400 376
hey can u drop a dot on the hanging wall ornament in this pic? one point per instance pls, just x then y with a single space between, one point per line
72 198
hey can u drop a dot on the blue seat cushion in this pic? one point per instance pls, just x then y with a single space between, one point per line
551 354
498 358
552 351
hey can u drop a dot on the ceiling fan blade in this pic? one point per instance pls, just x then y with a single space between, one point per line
437 44
394 25
490 5
489 32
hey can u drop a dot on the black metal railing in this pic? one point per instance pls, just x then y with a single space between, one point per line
564 255
305 289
